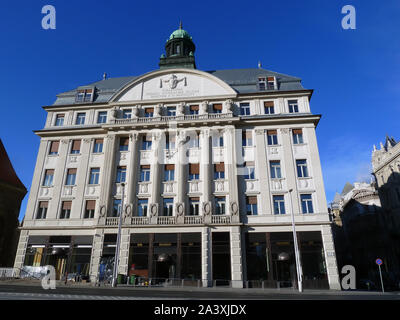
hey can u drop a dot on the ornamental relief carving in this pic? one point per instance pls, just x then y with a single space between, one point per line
234 208
206 208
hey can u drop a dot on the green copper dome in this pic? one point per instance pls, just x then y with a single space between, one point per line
179 34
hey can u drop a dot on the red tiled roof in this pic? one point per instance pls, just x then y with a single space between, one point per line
7 172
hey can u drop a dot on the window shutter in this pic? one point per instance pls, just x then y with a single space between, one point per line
43 204
217 106
169 167
272 132
60 115
252 200
147 137
76 145
145 166
194 168
54 146
98 141
249 164
271 78
72 171
247 134
268 103
195 199
124 141
149 110
194 107
297 131
219 167
50 172
67 205
90 204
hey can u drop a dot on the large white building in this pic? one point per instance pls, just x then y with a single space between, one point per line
213 163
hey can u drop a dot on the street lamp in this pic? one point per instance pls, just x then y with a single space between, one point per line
116 257
296 248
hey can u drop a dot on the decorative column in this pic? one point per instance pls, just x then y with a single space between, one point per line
107 178
205 173
232 175
181 177
131 204
290 169
97 250
330 257
236 257
21 251
124 252
206 257
155 177
261 172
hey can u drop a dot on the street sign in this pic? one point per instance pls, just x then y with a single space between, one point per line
378 261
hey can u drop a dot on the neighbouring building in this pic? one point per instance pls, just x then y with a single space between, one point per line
12 192
213 162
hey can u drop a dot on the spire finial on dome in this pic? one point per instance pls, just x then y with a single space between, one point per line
180 24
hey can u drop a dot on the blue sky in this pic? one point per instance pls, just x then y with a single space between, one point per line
354 72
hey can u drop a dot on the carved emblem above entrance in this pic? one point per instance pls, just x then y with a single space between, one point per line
173 81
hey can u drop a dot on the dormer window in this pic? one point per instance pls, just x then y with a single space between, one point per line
84 95
262 83
271 83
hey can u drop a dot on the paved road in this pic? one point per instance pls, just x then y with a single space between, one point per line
35 292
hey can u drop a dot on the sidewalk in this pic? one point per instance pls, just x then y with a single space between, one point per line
61 284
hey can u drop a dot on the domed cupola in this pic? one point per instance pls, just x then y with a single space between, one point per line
179 51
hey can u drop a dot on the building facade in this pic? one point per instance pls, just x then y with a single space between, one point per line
211 165
12 192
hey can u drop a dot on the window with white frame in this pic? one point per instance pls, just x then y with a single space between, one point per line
275 168
127 113
302 171
262 83
218 140
94 176
65 209
249 170
80 118
194 206
98 146
171 111
60 119
251 206
170 141
194 171
293 106
146 142
271 83
142 207
84 95
144 173
89 209
306 203
121 174
244 109
48 178
42 210
269 107
247 138
219 171
168 206
102 117
297 136
272 137
219 205
169 172
279 204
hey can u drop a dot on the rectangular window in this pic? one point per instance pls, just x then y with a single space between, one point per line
80 118
65 209
121 174
171 111
269 107
244 109
262 83
84 95
98 146
219 205
127 113
148 112
48 178
279 205
217 108
275 167
76 147
42 210
218 140
71 176
272 137
194 109
142 207
293 106
54 147
146 143
194 171
116 207
94 176
297 136
271 83
219 171
170 141
306 203
60 120
168 206
89 209
194 206
169 172
249 170
194 141
102 117
301 166
144 173
123 144
247 138
251 206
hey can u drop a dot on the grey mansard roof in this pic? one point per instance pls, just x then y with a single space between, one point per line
241 80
